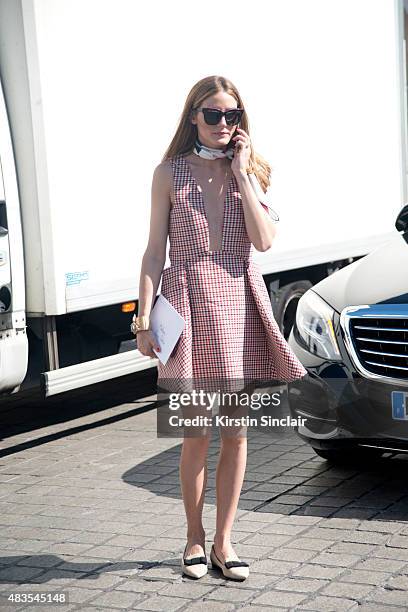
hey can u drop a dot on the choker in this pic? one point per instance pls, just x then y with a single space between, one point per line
210 153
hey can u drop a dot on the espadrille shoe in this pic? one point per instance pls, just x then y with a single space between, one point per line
234 569
195 565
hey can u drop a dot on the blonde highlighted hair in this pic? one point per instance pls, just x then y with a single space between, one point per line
186 132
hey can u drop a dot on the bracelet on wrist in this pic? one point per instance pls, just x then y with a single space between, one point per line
140 323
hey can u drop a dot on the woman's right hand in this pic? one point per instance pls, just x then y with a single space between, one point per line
145 341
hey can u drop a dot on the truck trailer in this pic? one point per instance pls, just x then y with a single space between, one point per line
90 95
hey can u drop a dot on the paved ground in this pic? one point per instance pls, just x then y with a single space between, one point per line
90 506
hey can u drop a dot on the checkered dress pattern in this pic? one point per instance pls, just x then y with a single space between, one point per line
230 330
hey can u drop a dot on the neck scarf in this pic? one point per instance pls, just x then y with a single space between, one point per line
210 153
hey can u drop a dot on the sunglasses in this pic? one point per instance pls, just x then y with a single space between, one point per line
212 116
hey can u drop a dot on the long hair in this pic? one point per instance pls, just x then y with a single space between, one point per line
186 133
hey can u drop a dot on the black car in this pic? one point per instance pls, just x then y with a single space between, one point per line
351 334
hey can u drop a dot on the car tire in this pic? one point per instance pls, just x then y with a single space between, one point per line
285 303
342 456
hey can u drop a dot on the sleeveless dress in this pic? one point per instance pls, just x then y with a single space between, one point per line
230 334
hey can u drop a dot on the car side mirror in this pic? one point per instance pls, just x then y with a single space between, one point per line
401 222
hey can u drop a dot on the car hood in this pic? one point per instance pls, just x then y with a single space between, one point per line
378 278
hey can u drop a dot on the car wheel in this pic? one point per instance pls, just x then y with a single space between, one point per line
349 455
285 304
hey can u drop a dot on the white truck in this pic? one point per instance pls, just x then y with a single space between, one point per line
91 92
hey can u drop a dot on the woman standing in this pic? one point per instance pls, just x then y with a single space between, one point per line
204 200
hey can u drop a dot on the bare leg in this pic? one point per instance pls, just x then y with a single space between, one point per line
229 478
230 473
193 481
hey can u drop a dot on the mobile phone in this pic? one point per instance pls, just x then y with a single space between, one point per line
234 142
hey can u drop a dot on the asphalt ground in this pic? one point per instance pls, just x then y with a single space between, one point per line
90 510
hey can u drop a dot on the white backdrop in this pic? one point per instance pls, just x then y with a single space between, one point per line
319 80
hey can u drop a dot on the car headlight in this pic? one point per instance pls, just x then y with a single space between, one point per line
314 321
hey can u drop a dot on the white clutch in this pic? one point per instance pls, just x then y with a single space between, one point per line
166 325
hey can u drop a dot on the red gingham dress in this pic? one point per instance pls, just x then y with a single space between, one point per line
230 330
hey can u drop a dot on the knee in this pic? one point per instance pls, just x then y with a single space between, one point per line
234 443
197 446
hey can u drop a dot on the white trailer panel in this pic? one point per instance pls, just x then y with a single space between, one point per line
94 91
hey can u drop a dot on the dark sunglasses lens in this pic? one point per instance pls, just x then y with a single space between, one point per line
232 117
212 117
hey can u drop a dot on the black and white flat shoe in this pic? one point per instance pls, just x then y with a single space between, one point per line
195 565
234 569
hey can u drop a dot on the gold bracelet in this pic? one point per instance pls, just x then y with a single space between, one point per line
139 324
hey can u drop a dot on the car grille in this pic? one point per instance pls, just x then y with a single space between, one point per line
381 344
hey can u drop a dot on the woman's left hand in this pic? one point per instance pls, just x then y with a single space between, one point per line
239 162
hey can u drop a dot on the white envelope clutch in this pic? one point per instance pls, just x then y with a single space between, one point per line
166 325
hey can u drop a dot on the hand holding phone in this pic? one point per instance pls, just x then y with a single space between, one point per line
241 144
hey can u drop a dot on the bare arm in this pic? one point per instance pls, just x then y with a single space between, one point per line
154 256
260 227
